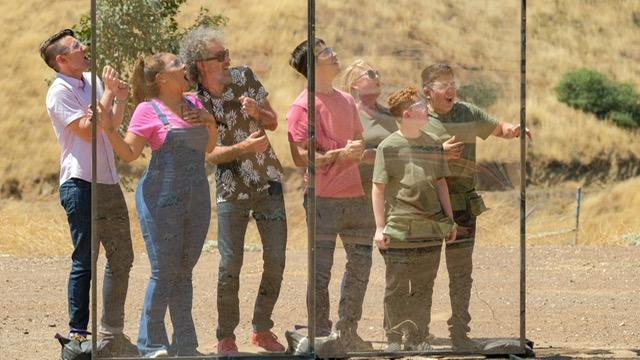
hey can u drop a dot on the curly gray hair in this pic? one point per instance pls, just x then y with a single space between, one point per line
193 47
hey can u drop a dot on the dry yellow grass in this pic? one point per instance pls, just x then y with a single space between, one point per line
400 38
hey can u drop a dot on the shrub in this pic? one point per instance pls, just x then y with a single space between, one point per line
591 91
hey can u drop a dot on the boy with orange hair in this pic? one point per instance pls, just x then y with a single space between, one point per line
413 214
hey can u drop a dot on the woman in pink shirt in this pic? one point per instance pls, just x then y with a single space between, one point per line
172 197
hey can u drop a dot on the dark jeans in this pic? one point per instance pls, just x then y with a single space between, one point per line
114 234
233 216
459 257
342 217
410 274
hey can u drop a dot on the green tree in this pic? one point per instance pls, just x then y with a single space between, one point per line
126 29
591 91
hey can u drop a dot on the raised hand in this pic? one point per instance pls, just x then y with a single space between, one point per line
250 106
452 149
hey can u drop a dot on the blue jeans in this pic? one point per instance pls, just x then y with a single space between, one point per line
113 232
233 216
342 217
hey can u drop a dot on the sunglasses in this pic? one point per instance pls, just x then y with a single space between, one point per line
175 64
371 74
220 56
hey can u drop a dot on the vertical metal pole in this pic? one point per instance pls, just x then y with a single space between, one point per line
523 173
577 228
94 179
311 169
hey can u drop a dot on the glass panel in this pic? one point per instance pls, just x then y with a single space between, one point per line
213 195
446 80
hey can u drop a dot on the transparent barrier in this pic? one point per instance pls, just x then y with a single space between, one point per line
215 209
417 194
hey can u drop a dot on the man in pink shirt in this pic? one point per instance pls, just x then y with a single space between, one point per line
340 200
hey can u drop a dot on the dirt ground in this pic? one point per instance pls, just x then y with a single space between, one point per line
581 301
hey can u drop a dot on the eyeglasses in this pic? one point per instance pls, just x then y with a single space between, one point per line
220 56
444 86
325 53
371 74
419 105
77 45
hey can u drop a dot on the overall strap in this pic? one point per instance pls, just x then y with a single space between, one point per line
159 112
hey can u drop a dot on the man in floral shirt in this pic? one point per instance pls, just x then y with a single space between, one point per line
248 182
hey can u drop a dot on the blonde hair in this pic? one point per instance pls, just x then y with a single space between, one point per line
401 100
144 77
351 75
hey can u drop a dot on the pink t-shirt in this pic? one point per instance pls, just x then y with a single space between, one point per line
337 121
146 123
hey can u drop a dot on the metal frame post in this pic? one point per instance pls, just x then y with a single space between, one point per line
94 179
523 172
311 187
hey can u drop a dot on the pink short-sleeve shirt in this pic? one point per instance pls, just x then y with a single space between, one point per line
337 121
146 123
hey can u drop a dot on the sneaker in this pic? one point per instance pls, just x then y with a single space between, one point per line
117 345
393 347
420 346
464 343
162 353
227 346
78 335
266 340
352 342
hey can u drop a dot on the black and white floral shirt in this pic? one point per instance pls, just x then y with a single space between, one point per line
250 174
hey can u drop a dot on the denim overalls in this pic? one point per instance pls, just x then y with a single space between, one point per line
174 206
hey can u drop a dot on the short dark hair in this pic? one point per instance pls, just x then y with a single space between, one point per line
432 72
51 47
299 60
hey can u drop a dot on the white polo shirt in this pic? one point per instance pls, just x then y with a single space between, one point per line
68 99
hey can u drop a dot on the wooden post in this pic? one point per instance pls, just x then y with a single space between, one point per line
577 228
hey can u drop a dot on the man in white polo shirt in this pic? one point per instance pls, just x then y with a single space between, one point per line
68 104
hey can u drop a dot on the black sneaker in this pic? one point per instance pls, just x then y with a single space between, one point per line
117 345
464 343
352 342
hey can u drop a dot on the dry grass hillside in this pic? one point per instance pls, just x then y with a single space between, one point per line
480 38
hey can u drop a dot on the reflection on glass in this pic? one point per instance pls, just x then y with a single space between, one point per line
413 214
340 200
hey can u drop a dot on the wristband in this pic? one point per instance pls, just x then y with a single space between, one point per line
119 101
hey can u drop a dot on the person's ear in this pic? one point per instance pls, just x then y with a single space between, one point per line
60 59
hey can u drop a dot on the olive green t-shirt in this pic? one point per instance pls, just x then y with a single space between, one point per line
409 169
466 122
375 129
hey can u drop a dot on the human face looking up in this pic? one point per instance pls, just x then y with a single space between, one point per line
327 64
174 74
367 85
74 59
214 68
441 94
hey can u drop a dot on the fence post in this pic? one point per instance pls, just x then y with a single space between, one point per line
577 228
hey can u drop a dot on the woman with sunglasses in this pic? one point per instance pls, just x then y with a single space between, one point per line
362 81
172 197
